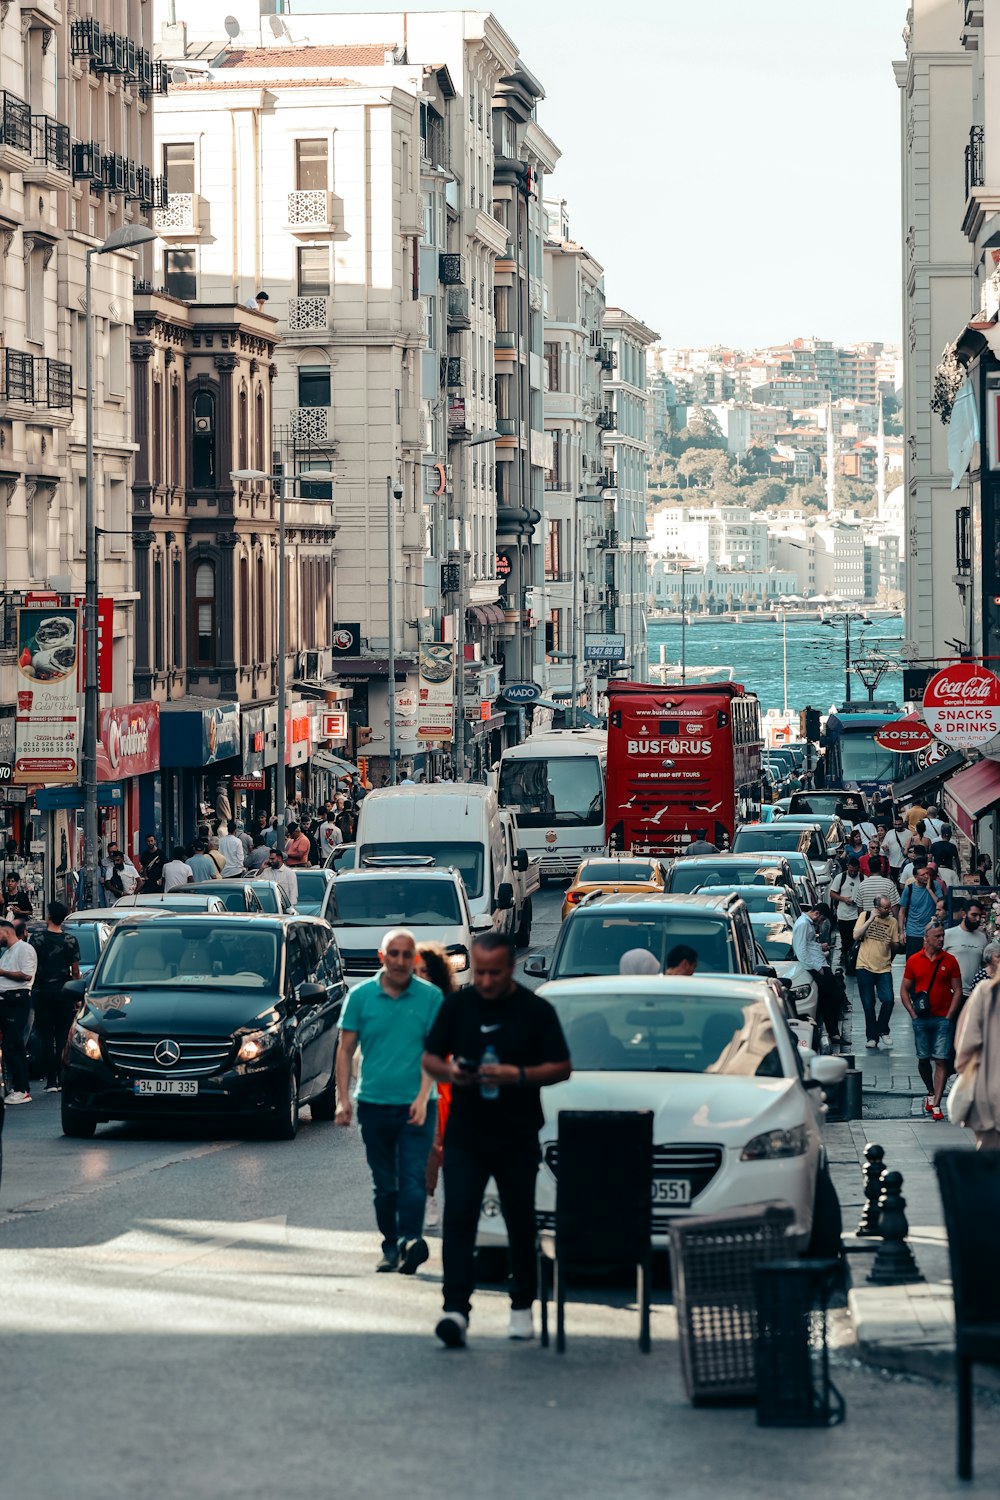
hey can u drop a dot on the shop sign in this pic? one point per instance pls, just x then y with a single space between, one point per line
251 783
520 692
489 682
297 735
604 646
962 706
346 639
70 798
436 713
105 644
486 710
47 733
220 733
407 712
253 735
333 726
905 736
6 747
129 741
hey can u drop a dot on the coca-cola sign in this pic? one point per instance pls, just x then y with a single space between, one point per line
961 706
905 736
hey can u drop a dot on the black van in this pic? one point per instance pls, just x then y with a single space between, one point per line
207 1016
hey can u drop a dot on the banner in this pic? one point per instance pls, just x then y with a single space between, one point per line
436 715
129 741
48 652
962 706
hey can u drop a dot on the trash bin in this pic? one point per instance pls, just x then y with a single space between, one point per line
713 1259
794 1388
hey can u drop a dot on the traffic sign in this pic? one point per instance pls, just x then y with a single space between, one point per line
906 736
520 692
962 705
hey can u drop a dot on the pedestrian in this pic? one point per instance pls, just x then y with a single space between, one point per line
266 829
845 890
18 966
921 838
282 876
311 830
914 814
152 862
176 872
297 850
329 836
231 849
17 902
814 955
682 961
258 854
201 864
991 962
498 1045
434 965
944 851
981 873
931 993
895 846
121 880
877 931
877 883
245 840
639 961
978 1038
966 942
390 1016
934 822
918 904
701 844
855 847
215 854
58 962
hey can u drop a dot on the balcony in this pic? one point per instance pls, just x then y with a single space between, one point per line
607 358
15 126
459 316
17 376
607 419
311 424
453 370
451 270
974 165
309 315
181 218
505 339
310 212
608 479
53 383
87 162
49 147
507 426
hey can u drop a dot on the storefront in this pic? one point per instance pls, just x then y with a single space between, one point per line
200 753
128 753
971 803
59 811
254 787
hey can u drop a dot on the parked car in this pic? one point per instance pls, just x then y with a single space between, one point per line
705 871
850 807
612 875
207 1015
772 900
314 892
91 933
235 893
181 900
789 837
366 904
773 933
595 936
829 825
344 857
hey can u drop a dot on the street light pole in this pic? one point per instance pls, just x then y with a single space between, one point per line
683 625
391 600
847 657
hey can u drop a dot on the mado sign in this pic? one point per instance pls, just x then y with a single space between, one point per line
961 706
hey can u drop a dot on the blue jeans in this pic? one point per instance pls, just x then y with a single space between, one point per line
397 1158
869 986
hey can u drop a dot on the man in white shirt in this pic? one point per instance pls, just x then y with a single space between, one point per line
176 872
895 845
278 871
966 943
18 965
231 849
934 822
329 837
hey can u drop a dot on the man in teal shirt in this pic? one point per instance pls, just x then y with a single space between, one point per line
390 1016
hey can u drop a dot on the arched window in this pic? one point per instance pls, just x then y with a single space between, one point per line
156 436
243 433
260 454
158 615
203 441
260 605
244 612
175 434
203 644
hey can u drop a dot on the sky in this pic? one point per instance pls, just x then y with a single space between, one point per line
733 164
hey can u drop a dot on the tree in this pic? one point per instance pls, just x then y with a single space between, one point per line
757 459
702 431
698 466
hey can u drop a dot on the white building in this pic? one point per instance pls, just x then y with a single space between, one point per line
718 589
731 536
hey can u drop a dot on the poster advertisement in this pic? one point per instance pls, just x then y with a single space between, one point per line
48 736
436 714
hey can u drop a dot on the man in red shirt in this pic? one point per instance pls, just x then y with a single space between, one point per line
297 848
932 994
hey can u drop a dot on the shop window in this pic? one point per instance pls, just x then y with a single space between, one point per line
203 440
203 644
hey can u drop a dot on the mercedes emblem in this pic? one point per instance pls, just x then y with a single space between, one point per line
167 1053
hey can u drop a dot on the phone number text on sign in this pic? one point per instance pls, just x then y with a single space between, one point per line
961 706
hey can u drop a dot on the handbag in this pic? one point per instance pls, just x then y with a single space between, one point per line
963 1090
851 957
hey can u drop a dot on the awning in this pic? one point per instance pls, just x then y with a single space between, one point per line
921 780
486 614
372 666
970 794
325 760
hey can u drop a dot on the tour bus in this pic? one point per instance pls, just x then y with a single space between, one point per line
681 758
553 784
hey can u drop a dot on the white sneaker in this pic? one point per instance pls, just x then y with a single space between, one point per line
885 1039
451 1330
871 1045
522 1323
16 1096
432 1213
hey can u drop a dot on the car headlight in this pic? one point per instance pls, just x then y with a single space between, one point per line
775 1144
254 1044
801 991
459 959
87 1042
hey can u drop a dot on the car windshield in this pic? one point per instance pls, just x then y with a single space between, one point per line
837 804
267 894
179 955
311 885
774 937
689 874
780 838
562 790
381 901
647 1032
467 859
863 760
766 900
614 871
594 942
232 897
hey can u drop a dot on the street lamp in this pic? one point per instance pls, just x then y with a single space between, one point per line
125 238
845 616
684 573
458 743
578 500
313 476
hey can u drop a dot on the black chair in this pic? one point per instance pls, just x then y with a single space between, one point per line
603 1162
970 1190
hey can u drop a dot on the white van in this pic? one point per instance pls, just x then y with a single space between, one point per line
457 826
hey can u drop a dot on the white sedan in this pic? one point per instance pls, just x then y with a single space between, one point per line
738 1108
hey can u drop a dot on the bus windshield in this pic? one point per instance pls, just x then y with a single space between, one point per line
862 760
564 790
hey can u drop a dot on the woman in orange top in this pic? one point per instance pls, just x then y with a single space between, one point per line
434 965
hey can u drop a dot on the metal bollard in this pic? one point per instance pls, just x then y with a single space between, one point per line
894 1263
851 1095
871 1172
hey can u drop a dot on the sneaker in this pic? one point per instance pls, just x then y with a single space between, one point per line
415 1252
871 1045
936 1112
522 1323
52 1088
432 1213
17 1096
928 1105
389 1261
451 1330
885 1039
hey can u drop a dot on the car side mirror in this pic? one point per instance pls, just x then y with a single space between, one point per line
75 987
310 992
505 896
537 964
765 971
521 860
827 1071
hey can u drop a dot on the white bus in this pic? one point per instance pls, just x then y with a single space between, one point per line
554 785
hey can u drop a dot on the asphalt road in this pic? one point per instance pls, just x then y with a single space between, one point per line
187 1317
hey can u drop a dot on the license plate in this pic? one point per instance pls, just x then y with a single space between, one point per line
672 1190
165 1086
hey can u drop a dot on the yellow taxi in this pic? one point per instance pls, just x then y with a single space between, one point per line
614 875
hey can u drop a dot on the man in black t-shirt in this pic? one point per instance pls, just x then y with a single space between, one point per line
493 1123
152 865
58 961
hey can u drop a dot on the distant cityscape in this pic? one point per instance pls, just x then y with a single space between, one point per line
776 475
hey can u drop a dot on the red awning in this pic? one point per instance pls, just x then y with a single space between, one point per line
970 793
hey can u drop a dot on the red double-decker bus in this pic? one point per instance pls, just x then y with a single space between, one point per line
680 758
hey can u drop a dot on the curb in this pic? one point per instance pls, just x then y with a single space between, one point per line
909 1329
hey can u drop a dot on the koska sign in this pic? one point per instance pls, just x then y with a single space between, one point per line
962 706
905 736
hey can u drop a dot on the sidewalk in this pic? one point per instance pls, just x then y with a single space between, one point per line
891 1071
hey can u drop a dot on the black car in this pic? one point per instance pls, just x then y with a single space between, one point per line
212 1016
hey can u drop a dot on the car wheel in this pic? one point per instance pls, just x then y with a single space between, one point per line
324 1106
523 935
827 1225
284 1124
78 1124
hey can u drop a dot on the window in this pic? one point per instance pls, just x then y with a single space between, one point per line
179 274
34 273
261 611
157 652
260 451
115 514
244 612
313 271
314 385
178 166
311 169
176 600
174 477
316 489
243 434
116 359
552 367
203 652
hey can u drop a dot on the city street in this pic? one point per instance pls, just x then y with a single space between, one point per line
185 1316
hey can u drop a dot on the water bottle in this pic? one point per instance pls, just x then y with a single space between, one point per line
489 1059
